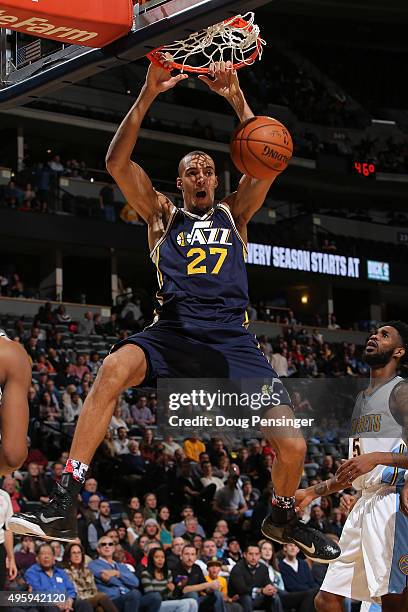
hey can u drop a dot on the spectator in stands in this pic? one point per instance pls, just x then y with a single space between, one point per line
158 578
107 202
229 501
72 407
44 576
133 464
208 478
102 524
297 576
12 194
131 315
216 450
333 322
36 486
29 196
136 527
9 485
220 543
179 529
53 391
92 509
121 443
190 582
132 506
117 421
111 327
42 364
165 534
87 326
44 314
83 579
191 531
56 165
193 446
233 552
49 408
25 556
170 446
335 524
249 579
107 451
35 455
173 555
61 315
147 446
208 551
90 488
79 369
95 362
214 567
123 553
150 506
33 403
152 529
279 362
141 414
119 583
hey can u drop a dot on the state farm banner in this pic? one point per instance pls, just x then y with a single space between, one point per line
91 23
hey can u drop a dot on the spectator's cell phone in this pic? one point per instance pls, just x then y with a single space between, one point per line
179 579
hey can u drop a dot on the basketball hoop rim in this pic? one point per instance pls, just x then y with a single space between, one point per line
156 58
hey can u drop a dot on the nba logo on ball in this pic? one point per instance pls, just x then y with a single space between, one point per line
261 147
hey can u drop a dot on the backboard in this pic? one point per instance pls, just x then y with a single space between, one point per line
31 67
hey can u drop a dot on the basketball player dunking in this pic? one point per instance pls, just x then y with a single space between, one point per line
15 380
200 328
373 565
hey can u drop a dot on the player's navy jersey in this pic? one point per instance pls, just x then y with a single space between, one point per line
201 268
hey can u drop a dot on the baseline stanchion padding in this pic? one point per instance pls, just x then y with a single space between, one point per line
90 23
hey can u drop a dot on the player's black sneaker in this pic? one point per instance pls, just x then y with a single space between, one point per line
57 520
314 544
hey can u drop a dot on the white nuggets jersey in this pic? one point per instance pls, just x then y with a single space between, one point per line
374 429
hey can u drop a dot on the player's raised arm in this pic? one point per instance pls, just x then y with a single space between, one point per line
14 412
251 192
129 176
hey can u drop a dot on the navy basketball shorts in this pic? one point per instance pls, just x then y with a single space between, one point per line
187 350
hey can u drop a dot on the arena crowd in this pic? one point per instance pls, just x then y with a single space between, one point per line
170 521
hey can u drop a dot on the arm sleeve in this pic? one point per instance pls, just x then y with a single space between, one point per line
33 579
96 568
126 576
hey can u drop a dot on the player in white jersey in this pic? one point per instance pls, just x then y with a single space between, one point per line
373 565
15 380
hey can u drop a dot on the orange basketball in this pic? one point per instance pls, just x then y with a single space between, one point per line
260 147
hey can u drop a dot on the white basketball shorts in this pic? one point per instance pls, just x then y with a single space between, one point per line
374 549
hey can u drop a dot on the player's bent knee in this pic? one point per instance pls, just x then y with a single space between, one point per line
290 449
123 368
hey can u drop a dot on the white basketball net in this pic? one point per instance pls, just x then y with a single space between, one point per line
225 41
